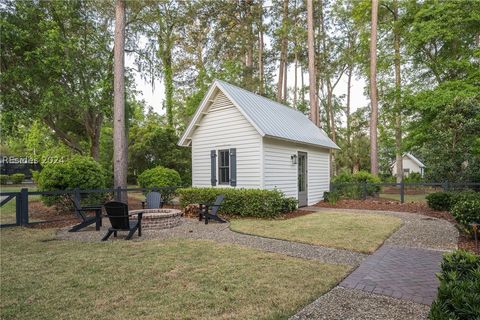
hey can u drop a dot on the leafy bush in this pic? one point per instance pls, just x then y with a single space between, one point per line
459 292
466 212
241 202
440 201
413 177
445 201
17 178
4 178
161 177
289 204
78 172
357 185
331 197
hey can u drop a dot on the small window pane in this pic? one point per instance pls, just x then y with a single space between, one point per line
224 166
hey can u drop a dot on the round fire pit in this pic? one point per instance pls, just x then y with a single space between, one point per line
159 218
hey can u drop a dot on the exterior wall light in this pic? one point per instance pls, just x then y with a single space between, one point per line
293 158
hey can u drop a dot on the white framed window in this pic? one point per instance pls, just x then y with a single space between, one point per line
224 166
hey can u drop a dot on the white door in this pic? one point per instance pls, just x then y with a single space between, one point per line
302 179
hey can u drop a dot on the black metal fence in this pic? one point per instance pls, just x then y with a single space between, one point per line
20 214
415 191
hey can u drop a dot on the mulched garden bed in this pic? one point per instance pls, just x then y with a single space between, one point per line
388 205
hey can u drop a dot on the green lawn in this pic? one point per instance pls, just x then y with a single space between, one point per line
408 197
8 210
357 232
45 278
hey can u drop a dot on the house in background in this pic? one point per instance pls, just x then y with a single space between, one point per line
410 164
240 139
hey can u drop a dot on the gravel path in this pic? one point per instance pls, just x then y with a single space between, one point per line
193 229
349 304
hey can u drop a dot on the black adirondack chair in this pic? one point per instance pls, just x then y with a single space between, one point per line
209 211
117 213
153 200
86 220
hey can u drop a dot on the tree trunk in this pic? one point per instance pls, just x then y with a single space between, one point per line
331 113
302 83
166 57
347 112
260 55
283 53
314 116
398 84
295 86
94 130
373 91
285 87
250 44
119 133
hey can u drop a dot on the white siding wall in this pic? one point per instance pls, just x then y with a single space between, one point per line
225 127
280 173
407 164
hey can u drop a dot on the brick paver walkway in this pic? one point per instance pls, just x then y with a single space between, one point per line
404 273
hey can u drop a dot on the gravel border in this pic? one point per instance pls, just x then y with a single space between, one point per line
341 303
193 229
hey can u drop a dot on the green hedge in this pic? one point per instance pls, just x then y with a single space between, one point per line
459 292
440 201
356 186
4 178
445 201
241 202
17 178
161 177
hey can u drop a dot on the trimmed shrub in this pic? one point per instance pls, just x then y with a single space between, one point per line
241 202
4 178
467 211
459 292
445 201
163 178
17 178
440 201
289 204
357 185
331 197
413 177
78 172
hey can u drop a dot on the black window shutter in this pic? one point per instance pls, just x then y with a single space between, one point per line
233 167
213 167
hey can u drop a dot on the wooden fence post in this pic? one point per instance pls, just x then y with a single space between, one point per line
18 209
24 207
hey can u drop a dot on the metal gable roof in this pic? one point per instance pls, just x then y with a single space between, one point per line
274 119
414 159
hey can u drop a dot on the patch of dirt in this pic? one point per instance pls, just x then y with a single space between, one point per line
388 205
294 214
465 242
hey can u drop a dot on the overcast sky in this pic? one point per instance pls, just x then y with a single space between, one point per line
154 97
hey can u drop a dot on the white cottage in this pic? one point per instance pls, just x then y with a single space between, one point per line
241 139
410 164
